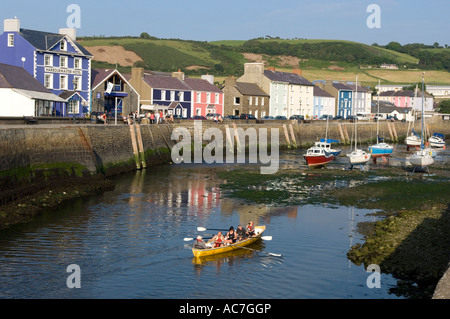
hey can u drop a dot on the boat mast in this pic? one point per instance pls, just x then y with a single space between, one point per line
423 80
356 119
378 112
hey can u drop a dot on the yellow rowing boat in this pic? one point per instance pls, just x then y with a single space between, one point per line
259 230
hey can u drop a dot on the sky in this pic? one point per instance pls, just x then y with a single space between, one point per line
404 21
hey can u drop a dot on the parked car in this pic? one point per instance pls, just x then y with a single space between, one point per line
267 117
178 116
338 117
296 117
324 117
280 117
198 117
247 117
232 117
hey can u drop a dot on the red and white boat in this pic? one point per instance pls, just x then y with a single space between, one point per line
317 157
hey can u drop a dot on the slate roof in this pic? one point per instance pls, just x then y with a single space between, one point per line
388 107
320 92
291 78
409 93
166 82
201 85
341 86
250 89
14 77
46 40
360 88
99 75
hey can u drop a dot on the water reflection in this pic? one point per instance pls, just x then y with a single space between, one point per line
129 241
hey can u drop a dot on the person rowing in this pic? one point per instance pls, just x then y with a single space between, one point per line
250 229
231 236
241 233
199 243
218 240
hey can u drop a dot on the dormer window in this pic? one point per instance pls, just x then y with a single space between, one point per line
63 45
10 40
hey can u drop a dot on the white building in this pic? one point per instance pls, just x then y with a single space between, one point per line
290 93
22 95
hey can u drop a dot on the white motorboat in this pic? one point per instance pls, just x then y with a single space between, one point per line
437 140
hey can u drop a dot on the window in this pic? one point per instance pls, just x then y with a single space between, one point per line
250 100
199 97
172 95
208 97
73 107
48 60
163 95
11 40
48 81
181 94
77 63
77 83
237 100
63 61
256 101
63 82
63 45
262 101
216 98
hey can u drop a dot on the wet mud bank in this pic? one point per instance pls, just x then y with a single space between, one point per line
410 240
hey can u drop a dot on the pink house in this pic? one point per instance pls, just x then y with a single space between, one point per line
206 97
407 98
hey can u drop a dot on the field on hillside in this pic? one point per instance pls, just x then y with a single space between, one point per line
225 58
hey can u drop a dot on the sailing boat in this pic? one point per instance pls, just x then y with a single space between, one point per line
414 139
423 157
358 156
325 143
380 149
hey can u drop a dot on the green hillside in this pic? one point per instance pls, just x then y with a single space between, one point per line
225 58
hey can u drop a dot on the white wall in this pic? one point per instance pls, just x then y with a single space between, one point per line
15 104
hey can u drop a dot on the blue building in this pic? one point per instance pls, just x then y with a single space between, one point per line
55 59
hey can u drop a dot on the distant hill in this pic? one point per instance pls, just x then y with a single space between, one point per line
319 59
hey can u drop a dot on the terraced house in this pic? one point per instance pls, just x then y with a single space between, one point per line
55 59
290 93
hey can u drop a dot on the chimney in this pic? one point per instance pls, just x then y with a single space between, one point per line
209 78
230 81
11 25
179 75
70 32
297 71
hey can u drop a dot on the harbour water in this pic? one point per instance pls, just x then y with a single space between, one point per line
128 243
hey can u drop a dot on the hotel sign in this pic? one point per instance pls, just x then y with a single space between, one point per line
50 69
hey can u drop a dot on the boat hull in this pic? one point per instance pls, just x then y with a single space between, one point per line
421 159
358 157
413 141
318 160
220 250
436 142
380 150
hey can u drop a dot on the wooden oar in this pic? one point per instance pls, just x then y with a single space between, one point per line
268 238
258 251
